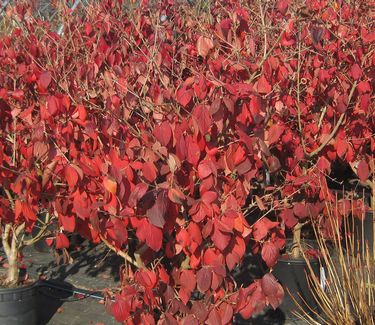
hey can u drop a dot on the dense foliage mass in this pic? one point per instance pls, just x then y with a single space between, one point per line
182 135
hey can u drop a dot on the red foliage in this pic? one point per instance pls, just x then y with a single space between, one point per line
181 132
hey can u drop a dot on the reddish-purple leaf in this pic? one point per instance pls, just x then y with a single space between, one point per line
363 171
204 278
300 210
272 289
226 313
156 213
44 80
40 149
137 193
214 318
188 280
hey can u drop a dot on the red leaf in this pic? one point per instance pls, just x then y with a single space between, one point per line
17 209
188 280
274 133
209 197
214 318
53 104
204 45
40 149
189 320
282 6
195 232
48 172
300 210
263 86
324 165
220 239
193 152
184 96
149 171
355 71
270 253
120 231
203 117
199 310
183 238
176 196
288 217
204 278
28 212
71 176
363 171
184 295
364 87
44 80
138 192
274 164
88 29
262 227
226 313
157 212
120 309
150 234
68 222
62 241
213 257
341 147
272 289
82 113
146 278
163 133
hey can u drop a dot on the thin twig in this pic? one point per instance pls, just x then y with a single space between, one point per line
120 253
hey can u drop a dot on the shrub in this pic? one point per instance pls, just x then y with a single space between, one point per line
182 135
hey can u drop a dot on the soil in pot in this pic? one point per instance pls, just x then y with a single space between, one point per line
18 306
292 275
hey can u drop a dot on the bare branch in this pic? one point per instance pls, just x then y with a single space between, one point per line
121 253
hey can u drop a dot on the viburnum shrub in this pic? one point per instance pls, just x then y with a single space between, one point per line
182 135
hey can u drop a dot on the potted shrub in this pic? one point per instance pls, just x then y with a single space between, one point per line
154 186
319 129
30 164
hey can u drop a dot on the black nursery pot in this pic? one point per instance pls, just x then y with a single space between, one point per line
18 306
292 275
